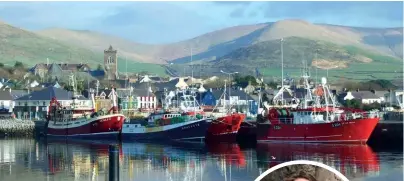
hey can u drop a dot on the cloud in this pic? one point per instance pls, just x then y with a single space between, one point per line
373 14
239 12
226 3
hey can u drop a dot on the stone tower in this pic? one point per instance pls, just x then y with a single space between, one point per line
111 63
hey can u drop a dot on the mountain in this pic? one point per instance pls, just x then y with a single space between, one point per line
318 53
150 53
98 42
213 45
340 59
31 48
20 45
385 41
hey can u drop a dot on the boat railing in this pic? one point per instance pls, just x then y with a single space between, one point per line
333 117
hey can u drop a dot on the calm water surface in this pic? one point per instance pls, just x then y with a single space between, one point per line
32 160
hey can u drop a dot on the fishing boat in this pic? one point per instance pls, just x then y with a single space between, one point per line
78 120
317 120
184 122
165 126
224 128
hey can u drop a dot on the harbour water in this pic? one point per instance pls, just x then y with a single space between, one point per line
30 159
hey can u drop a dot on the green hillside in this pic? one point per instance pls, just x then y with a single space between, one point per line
352 62
29 48
132 67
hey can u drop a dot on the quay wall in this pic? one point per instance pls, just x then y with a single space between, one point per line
16 128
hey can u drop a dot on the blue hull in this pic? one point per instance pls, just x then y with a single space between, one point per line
190 132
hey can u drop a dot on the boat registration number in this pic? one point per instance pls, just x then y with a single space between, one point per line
334 125
106 119
277 127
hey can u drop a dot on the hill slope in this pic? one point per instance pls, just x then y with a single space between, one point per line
145 52
20 45
266 56
30 48
387 41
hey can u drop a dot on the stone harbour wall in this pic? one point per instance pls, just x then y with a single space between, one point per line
16 128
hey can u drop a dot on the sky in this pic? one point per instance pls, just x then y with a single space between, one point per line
167 22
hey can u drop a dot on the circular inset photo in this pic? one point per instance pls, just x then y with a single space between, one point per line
301 170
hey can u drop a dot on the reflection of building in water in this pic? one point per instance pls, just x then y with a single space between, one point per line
85 162
7 151
182 163
350 160
163 162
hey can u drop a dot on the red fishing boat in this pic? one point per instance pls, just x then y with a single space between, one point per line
81 121
225 128
315 122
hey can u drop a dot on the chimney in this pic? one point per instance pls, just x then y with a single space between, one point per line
357 90
373 91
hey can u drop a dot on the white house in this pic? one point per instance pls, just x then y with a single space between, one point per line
33 84
394 98
36 104
145 99
6 101
181 84
366 97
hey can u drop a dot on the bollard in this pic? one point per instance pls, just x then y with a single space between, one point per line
113 163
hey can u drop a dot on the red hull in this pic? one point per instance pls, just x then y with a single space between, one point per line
354 131
342 157
109 126
231 153
224 129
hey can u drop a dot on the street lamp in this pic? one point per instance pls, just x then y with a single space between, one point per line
331 68
230 83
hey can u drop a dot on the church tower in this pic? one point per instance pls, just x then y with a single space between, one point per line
111 63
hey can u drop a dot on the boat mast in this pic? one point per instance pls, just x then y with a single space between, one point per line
305 74
282 68
224 94
97 85
325 92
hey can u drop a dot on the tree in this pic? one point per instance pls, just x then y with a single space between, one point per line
99 67
219 83
354 103
18 65
1 65
273 85
368 107
243 80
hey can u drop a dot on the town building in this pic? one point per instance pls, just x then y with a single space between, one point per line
111 63
34 106
365 97
6 101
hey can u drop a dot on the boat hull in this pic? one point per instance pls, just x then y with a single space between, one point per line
351 131
102 127
186 131
225 129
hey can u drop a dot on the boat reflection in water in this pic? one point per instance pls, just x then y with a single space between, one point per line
351 160
84 159
180 161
